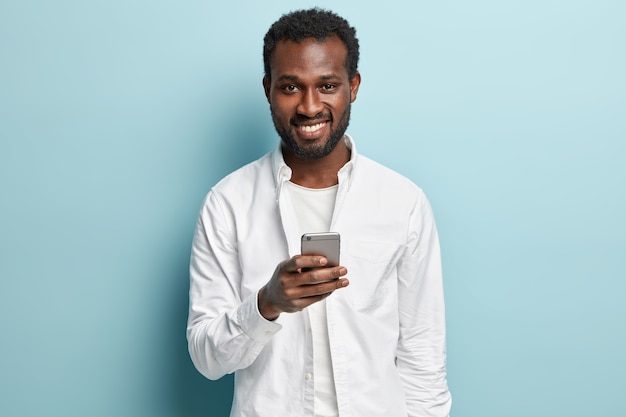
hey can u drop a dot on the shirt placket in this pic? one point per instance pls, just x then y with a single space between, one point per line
334 334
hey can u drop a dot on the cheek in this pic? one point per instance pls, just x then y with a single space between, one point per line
281 119
282 108
277 110
340 106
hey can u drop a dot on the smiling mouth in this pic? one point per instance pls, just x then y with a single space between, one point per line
312 128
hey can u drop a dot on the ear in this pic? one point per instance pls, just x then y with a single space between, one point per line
355 82
266 86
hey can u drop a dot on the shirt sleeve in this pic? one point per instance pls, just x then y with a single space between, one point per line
224 332
421 353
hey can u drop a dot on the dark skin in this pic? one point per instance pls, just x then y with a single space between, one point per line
309 91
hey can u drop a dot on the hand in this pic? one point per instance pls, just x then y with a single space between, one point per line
291 289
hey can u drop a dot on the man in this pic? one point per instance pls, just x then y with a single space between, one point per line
321 341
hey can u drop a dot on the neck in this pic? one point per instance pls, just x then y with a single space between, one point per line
318 173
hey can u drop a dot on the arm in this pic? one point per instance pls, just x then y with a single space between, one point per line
224 332
421 354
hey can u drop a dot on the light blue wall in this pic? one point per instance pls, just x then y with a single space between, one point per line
117 116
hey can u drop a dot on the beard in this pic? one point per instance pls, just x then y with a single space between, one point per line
312 151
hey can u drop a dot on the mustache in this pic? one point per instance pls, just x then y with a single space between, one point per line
299 119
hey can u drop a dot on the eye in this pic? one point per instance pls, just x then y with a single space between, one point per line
328 87
290 88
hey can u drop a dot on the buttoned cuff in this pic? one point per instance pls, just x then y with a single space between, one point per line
253 324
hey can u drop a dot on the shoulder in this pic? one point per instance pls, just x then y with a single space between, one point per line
242 187
248 176
385 179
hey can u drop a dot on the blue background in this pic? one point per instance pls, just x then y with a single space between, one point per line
116 117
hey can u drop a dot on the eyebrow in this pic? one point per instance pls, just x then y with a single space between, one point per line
288 77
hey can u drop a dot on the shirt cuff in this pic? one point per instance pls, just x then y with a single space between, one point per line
253 324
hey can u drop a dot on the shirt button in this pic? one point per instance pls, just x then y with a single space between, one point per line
307 376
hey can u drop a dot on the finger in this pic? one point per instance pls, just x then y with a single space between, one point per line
324 274
307 301
325 289
290 270
296 263
309 261
319 289
331 286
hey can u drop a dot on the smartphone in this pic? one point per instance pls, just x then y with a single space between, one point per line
326 244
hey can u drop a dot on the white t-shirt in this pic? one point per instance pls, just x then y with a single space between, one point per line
314 210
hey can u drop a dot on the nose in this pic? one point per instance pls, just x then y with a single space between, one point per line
310 104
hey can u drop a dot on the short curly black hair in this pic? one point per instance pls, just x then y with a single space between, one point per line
312 23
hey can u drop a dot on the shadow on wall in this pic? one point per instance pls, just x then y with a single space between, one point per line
242 135
243 132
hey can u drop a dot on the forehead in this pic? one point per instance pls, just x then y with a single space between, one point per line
308 57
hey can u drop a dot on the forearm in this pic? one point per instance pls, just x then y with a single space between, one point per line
421 353
229 341
422 368
225 331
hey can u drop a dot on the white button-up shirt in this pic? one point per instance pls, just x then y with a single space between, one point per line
386 329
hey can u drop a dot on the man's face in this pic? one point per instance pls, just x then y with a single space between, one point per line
310 92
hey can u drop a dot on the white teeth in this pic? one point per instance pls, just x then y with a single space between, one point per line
313 128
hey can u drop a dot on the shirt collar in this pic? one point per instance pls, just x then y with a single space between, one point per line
282 172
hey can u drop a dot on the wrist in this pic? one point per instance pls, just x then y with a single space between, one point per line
265 307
